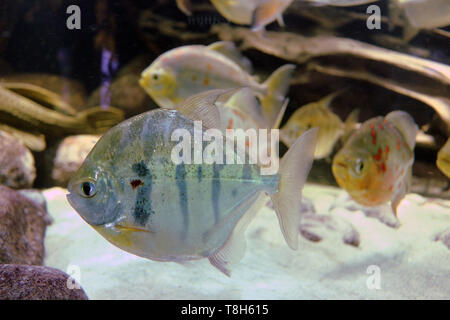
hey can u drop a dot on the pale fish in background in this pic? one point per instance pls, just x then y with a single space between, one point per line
188 70
257 13
375 165
135 196
419 14
443 159
318 114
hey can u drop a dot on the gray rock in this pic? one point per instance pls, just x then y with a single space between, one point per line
317 227
21 282
22 228
17 169
70 155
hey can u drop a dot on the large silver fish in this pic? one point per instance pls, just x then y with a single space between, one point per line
135 196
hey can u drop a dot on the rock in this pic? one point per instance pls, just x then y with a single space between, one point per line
17 169
20 282
317 227
22 228
444 237
70 155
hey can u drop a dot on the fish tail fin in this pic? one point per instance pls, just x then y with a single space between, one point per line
294 169
267 12
99 119
277 86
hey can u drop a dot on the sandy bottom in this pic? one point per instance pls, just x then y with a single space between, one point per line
403 263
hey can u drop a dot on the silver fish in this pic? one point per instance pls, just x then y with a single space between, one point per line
135 196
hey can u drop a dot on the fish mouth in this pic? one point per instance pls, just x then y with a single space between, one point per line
340 165
127 228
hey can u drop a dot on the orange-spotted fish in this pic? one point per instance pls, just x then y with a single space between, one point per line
257 13
443 159
375 165
134 194
318 114
188 70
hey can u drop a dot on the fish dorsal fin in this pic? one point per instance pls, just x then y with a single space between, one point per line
351 124
228 49
405 124
326 101
276 124
202 107
245 101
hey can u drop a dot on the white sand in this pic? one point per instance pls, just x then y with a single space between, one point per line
412 265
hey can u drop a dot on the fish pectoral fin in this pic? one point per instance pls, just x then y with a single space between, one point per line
234 248
228 49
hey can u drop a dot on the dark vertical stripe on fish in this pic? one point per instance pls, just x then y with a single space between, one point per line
143 205
199 173
180 175
215 195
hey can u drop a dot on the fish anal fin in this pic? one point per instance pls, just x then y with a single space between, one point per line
234 248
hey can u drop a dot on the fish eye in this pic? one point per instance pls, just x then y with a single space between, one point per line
359 167
87 189
155 76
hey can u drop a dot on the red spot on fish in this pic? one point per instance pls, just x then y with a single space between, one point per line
390 188
230 124
209 67
206 82
383 167
378 156
374 136
398 145
387 150
385 121
239 114
380 126
136 183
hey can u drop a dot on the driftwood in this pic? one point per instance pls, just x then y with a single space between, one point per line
358 59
